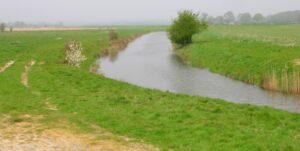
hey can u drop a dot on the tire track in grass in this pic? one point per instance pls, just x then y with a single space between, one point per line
24 76
6 66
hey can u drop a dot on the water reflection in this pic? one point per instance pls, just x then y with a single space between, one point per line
149 62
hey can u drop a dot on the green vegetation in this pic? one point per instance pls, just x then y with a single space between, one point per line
229 18
166 120
264 55
185 26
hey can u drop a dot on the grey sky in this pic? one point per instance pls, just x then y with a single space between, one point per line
128 11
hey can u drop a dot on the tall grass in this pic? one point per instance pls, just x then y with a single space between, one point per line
284 81
244 53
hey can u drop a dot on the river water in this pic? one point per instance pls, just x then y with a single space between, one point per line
149 62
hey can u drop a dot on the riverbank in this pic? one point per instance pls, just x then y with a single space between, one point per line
258 54
59 93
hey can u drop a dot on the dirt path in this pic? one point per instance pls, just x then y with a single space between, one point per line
30 136
24 76
7 65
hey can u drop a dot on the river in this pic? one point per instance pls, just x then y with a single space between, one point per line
150 62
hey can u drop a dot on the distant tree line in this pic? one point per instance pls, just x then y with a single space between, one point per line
20 24
10 26
289 17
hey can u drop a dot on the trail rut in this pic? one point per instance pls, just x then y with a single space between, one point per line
24 76
6 66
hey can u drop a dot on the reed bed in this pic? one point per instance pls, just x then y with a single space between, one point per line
284 81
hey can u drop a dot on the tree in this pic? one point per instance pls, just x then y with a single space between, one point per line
2 27
298 19
204 16
229 18
210 19
258 18
185 26
219 20
245 18
288 17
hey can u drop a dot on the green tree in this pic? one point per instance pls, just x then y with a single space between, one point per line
245 18
258 18
185 26
229 18
2 27
219 20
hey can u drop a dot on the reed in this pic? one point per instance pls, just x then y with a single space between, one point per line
117 45
284 81
270 82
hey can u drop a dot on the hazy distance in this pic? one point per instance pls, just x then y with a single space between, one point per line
129 11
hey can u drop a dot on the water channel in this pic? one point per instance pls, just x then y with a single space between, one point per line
149 62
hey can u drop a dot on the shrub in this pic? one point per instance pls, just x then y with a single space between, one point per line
185 26
113 35
73 52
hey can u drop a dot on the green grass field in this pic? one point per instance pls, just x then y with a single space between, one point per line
265 55
168 121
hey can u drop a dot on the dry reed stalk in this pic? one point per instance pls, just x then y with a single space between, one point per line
285 86
271 82
115 46
295 83
285 82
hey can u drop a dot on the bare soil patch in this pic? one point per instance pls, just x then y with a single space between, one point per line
27 135
297 62
6 66
24 76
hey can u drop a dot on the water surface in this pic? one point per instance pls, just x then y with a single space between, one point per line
149 62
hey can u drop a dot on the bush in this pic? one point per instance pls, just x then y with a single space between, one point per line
73 54
113 35
185 26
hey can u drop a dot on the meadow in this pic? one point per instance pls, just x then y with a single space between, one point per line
62 94
264 55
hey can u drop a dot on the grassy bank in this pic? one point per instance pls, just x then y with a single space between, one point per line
166 120
264 55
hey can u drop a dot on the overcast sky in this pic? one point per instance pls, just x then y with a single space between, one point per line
129 11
